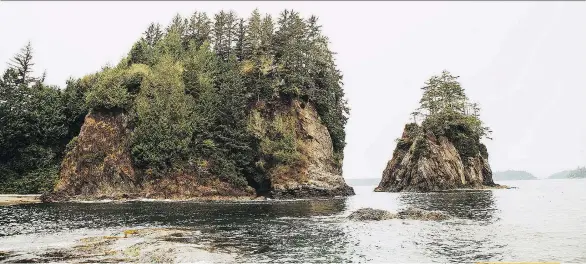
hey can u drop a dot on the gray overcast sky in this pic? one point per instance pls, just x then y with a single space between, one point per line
523 62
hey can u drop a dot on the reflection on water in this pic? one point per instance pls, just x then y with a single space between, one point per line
540 221
474 205
459 241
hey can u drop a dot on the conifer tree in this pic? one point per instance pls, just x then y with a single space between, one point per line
23 64
240 40
153 34
198 29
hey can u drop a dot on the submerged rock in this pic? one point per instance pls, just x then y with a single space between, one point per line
424 162
419 214
365 214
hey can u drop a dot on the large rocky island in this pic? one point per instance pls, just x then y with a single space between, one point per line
444 151
213 109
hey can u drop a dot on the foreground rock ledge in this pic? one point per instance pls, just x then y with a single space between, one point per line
149 245
366 214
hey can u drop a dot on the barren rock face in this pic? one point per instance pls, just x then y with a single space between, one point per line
318 174
99 162
430 163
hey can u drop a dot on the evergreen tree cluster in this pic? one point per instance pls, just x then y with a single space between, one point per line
36 123
188 88
447 111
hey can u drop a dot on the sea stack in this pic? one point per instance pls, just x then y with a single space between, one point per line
443 152
187 116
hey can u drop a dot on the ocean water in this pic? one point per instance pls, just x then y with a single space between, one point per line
541 220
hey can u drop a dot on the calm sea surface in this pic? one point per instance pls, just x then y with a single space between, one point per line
542 220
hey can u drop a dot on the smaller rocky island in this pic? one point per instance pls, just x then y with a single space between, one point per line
512 175
443 151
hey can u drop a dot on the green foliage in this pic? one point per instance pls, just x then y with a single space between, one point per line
200 69
162 133
109 92
448 113
464 131
75 108
35 126
35 181
443 92
280 142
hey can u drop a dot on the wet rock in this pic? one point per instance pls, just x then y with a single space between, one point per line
419 214
149 245
365 214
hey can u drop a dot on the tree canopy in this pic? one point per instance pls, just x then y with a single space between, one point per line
188 89
36 122
445 110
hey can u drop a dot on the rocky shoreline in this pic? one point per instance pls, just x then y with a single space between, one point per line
13 199
147 245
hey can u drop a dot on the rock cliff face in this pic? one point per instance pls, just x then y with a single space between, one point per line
307 167
298 161
428 163
98 162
